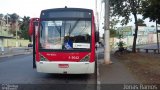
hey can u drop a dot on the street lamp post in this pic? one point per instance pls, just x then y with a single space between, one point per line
7 28
16 33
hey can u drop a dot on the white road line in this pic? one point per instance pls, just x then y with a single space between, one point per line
98 76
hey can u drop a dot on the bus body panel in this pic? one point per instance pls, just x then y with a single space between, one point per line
51 61
65 56
73 67
93 39
32 20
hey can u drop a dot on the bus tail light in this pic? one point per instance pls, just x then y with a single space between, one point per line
85 59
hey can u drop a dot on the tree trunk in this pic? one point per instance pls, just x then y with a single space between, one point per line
135 35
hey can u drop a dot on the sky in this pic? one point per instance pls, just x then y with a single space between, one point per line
32 8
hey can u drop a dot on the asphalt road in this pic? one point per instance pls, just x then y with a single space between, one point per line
17 72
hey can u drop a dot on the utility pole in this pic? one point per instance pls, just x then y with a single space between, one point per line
106 33
157 37
97 17
7 20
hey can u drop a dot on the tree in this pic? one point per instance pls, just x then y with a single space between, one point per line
14 18
151 10
113 33
7 17
113 23
141 22
24 27
1 18
124 8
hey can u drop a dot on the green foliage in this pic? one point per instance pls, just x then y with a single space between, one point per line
113 33
151 10
113 23
13 20
121 44
1 16
24 27
120 36
14 17
140 22
124 8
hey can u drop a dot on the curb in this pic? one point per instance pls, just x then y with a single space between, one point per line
98 76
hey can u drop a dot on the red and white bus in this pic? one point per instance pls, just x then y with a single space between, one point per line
64 41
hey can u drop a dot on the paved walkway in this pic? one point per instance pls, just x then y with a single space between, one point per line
116 73
113 76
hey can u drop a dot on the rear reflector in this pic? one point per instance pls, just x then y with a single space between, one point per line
63 65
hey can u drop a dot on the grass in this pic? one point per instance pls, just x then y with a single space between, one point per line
146 67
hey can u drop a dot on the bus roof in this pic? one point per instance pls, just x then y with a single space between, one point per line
68 9
66 13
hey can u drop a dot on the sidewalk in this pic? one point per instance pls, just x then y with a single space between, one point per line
113 76
12 51
115 73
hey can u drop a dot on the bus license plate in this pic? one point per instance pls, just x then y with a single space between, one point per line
63 65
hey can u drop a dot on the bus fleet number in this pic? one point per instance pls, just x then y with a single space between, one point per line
73 57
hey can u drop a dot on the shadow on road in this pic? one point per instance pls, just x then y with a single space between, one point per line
70 76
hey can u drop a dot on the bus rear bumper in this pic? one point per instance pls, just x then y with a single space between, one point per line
61 68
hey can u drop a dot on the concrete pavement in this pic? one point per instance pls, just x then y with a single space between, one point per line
116 73
113 76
